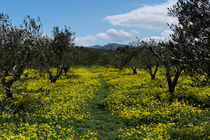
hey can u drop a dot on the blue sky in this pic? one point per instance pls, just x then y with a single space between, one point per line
97 21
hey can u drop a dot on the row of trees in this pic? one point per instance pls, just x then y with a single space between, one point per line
25 47
188 50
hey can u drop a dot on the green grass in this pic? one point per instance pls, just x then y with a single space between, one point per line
100 120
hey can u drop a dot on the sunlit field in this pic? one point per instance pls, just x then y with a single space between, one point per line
105 103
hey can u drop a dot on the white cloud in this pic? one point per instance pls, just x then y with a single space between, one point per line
111 35
150 16
117 35
84 41
165 35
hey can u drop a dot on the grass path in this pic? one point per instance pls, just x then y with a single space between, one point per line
100 121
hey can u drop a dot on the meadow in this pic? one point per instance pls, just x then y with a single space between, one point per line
105 103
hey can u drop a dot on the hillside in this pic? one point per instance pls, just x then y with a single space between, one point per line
111 46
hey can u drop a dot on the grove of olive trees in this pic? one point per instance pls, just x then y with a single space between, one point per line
19 48
52 89
25 47
188 50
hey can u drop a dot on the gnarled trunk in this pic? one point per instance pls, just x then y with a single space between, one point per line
172 82
53 79
7 84
66 69
134 70
151 72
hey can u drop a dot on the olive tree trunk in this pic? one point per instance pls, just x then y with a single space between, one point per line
172 82
134 70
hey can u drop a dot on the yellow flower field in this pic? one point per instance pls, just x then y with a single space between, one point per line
44 110
55 106
143 104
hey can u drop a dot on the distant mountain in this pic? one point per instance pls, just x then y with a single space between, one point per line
95 46
111 46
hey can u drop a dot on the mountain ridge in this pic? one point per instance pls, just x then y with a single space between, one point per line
110 46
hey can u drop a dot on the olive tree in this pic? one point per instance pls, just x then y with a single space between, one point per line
189 48
145 58
58 52
18 49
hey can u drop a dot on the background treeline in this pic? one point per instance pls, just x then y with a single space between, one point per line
25 46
